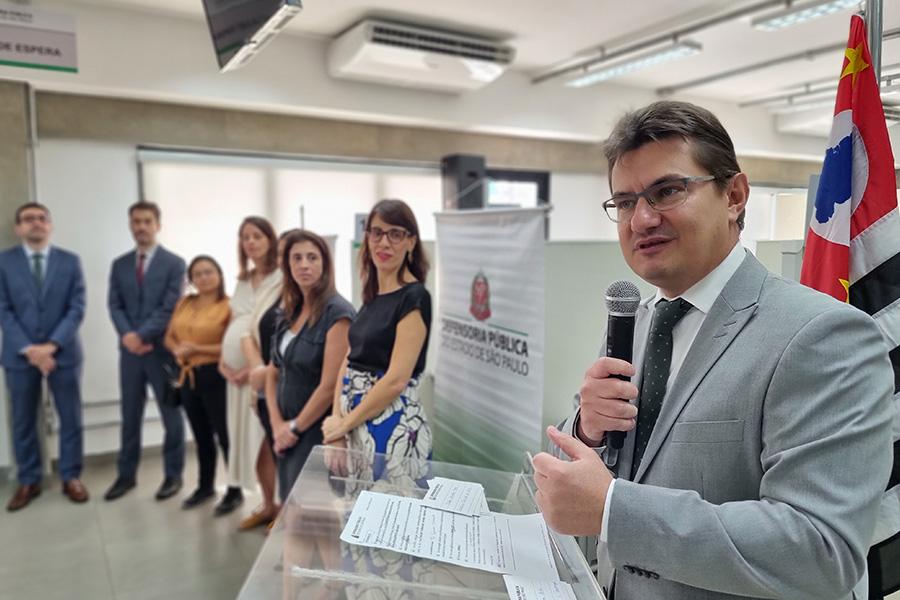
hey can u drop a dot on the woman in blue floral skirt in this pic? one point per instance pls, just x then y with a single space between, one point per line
376 406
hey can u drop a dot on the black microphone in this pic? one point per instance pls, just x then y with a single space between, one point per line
622 301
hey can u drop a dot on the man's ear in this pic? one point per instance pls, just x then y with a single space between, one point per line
738 193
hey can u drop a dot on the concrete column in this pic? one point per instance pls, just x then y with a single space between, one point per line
15 188
15 155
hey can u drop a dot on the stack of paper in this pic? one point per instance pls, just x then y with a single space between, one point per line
461 497
452 524
523 588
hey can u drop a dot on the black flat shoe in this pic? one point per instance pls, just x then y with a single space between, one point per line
198 497
170 486
233 498
119 488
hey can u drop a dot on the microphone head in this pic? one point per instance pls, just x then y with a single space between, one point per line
622 299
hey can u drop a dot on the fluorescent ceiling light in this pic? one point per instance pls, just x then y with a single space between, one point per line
600 71
802 102
795 107
800 14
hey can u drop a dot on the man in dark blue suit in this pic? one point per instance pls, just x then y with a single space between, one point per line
41 309
144 286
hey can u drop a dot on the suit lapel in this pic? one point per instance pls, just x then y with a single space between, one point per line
53 259
25 271
731 311
153 267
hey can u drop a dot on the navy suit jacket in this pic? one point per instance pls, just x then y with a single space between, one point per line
145 309
53 313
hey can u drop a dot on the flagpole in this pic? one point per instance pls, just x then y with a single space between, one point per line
874 25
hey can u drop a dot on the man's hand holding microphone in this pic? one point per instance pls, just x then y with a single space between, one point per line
572 494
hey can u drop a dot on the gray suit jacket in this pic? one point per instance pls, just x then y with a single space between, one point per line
764 471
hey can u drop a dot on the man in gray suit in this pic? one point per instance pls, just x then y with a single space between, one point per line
758 413
144 286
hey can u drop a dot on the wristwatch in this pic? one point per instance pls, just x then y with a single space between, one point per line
293 427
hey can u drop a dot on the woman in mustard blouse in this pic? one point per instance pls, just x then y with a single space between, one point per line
194 337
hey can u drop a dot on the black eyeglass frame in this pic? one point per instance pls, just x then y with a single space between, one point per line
395 235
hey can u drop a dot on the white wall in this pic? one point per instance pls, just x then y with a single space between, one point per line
202 206
138 54
88 187
6 459
577 213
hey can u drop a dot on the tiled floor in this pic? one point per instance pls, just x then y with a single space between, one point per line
130 549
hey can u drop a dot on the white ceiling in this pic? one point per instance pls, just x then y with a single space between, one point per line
546 33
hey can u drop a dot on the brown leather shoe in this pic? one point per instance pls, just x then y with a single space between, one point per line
24 494
76 491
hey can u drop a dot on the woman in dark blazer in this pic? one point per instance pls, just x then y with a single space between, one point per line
307 351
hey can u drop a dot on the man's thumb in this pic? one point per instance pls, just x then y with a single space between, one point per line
573 447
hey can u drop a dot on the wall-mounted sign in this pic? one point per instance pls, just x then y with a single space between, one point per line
37 40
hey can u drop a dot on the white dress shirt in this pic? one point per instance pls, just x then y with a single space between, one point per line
30 252
701 295
148 256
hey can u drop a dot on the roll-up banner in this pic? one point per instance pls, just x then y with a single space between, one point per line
490 326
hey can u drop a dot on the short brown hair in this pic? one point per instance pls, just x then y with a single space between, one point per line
30 205
711 145
145 205
269 262
292 296
393 212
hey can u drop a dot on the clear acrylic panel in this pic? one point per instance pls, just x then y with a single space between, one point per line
304 558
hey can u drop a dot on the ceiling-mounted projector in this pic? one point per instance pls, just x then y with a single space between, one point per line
415 56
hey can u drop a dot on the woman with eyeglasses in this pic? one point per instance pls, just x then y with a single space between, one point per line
194 337
376 404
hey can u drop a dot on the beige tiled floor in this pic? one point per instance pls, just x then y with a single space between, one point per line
133 548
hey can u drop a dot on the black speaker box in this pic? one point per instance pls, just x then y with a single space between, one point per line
463 178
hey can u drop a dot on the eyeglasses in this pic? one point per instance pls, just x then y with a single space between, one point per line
395 236
661 196
34 218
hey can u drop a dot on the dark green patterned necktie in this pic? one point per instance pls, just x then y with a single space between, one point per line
38 268
655 374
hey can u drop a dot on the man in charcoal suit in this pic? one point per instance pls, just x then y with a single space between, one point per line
144 286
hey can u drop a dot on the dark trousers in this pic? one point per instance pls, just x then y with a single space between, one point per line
25 397
135 373
291 461
205 405
262 411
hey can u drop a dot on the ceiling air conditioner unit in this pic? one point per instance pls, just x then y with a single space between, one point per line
419 57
